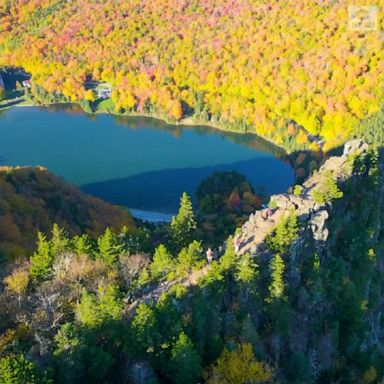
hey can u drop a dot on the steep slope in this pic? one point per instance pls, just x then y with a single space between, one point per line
310 202
32 199
306 285
321 257
300 302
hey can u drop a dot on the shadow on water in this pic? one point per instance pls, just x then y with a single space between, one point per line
160 191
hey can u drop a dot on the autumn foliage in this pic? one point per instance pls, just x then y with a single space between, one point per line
249 65
32 199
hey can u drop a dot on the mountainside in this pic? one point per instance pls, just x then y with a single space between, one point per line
309 201
321 254
286 70
32 199
296 296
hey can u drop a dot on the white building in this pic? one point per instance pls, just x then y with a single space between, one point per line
104 93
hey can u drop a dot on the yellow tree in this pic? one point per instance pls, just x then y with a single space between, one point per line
17 282
89 95
238 367
177 110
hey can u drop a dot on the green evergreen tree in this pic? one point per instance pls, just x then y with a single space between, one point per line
87 311
185 363
109 304
183 225
145 326
276 287
229 259
246 269
109 247
327 190
59 242
68 346
190 257
18 370
82 245
41 260
93 309
162 262
283 234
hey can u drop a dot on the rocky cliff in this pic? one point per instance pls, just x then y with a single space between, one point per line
312 213
330 277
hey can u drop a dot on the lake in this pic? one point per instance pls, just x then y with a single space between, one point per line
140 163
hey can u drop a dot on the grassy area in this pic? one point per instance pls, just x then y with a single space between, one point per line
104 105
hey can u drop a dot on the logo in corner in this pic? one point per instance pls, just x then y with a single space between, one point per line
363 18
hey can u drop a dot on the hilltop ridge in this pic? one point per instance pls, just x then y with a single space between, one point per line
310 212
32 199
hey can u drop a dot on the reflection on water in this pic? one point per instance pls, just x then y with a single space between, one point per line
138 162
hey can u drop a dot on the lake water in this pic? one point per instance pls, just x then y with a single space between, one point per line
140 163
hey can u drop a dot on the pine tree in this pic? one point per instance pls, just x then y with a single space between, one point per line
229 259
162 262
190 257
59 242
41 260
283 234
93 309
87 311
183 225
185 363
145 325
15 370
246 269
82 245
110 306
109 247
276 287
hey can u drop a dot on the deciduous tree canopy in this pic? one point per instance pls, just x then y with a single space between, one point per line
246 64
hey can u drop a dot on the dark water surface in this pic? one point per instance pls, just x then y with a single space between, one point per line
141 163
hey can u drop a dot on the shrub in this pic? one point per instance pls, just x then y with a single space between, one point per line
327 190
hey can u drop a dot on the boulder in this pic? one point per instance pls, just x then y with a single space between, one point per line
353 146
317 223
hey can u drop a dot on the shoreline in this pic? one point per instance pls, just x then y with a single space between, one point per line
151 216
142 214
185 122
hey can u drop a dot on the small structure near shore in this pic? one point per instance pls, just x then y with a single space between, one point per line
104 93
26 83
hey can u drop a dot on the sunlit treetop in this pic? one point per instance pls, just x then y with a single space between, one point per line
250 63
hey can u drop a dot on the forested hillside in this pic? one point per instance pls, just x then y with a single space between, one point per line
300 302
32 199
264 67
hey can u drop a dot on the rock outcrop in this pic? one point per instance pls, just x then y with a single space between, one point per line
311 214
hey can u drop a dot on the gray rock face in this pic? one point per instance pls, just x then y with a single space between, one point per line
318 227
254 232
352 146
